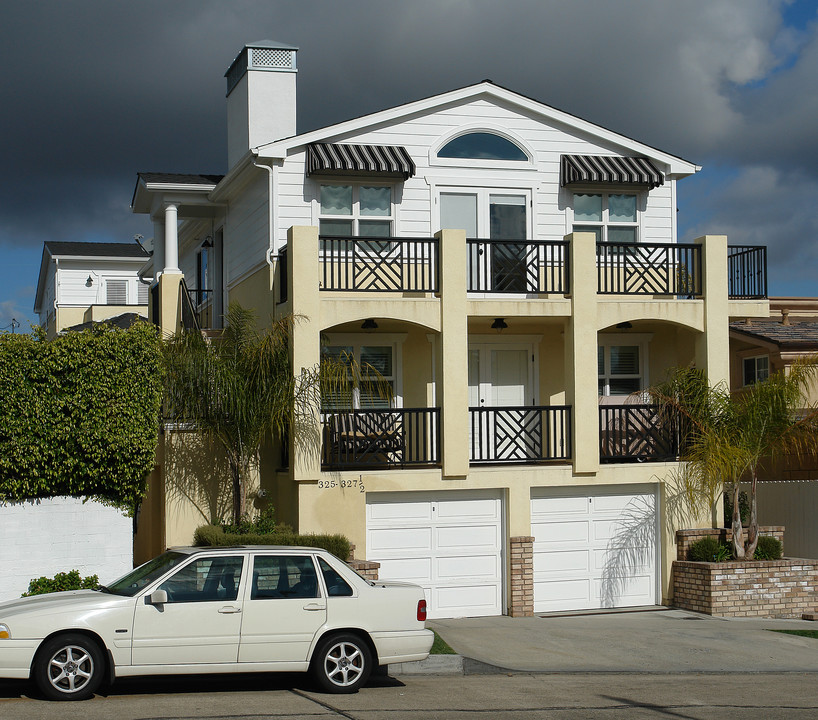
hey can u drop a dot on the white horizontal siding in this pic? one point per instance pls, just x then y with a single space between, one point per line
246 230
546 142
72 288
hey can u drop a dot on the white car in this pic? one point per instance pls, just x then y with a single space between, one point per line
214 610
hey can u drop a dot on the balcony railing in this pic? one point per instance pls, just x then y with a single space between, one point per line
668 269
747 272
197 312
638 433
519 434
368 264
517 266
399 437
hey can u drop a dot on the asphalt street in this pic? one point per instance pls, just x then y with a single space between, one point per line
512 695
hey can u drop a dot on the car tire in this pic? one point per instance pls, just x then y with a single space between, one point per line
342 663
69 667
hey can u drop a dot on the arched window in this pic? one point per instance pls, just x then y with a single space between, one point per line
482 146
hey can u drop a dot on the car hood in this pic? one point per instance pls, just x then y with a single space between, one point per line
71 600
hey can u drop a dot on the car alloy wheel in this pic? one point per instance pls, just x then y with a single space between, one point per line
69 667
342 664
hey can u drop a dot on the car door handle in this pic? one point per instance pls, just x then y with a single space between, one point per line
229 609
315 606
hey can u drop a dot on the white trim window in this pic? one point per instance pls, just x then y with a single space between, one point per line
116 291
622 364
612 217
755 369
356 210
369 353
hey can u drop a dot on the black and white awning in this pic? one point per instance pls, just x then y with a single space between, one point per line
604 169
336 158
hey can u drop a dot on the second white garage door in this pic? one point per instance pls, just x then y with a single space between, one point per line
594 549
447 542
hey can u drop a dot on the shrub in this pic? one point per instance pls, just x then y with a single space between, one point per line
709 549
263 524
743 507
61 582
215 536
768 548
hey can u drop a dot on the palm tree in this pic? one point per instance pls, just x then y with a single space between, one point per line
726 436
239 389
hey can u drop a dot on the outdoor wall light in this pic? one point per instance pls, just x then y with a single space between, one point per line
369 324
89 282
499 324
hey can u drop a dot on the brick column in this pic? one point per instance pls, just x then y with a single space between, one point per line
521 602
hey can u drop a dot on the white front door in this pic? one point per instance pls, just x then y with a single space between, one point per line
594 549
449 543
501 375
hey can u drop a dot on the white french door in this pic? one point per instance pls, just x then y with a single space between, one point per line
501 375
496 215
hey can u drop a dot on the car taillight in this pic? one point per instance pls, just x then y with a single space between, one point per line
422 610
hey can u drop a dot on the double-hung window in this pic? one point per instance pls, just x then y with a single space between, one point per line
356 210
611 217
371 382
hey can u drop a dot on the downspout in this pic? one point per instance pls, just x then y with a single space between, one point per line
271 215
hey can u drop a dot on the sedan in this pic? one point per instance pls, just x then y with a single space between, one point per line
216 610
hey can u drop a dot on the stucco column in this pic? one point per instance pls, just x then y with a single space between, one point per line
581 353
158 247
171 238
712 346
303 283
453 377
170 317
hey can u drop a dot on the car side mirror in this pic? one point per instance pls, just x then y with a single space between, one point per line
157 597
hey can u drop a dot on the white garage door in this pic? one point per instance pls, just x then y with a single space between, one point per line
595 549
448 542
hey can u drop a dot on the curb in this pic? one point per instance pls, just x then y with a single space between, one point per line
445 665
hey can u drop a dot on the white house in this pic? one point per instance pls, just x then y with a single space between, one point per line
513 272
82 282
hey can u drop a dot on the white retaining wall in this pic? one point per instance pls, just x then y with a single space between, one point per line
44 537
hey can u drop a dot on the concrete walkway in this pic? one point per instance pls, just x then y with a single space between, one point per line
653 641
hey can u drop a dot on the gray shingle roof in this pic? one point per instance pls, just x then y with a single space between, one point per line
796 335
96 249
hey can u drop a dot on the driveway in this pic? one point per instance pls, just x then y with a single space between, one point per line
651 641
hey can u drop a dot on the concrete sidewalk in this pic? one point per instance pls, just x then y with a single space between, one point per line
651 641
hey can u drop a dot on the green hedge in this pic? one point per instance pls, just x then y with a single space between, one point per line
70 580
709 549
79 415
214 536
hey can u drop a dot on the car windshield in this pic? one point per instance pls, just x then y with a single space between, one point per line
138 578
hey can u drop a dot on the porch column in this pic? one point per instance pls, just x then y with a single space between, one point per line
581 353
453 396
712 346
158 247
171 238
303 283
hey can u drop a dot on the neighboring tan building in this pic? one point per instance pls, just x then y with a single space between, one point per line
83 282
788 491
513 272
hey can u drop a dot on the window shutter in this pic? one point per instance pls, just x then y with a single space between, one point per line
142 294
117 292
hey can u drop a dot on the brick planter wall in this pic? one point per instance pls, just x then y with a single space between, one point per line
522 576
366 568
784 588
685 538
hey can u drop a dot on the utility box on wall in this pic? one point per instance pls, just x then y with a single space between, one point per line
44 537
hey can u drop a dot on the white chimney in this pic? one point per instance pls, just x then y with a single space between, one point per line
260 97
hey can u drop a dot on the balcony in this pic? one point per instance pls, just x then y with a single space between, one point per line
517 266
386 439
366 264
668 270
637 433
519 435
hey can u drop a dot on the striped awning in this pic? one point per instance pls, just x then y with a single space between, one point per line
597 169
359 159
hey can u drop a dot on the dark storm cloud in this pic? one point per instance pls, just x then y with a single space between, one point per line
95 91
